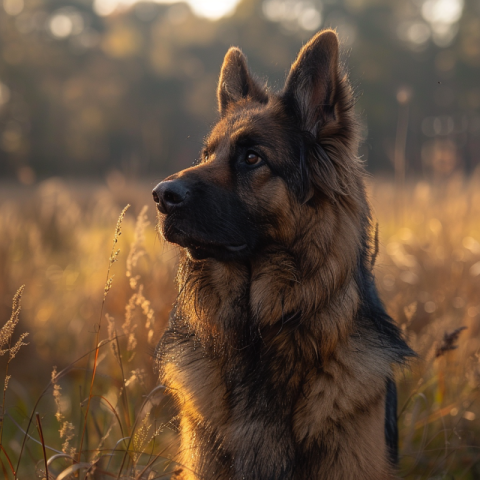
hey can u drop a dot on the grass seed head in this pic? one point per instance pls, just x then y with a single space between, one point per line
448 342
7 330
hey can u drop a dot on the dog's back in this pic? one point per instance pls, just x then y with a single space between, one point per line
279 352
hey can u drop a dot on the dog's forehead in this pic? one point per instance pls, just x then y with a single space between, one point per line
250 122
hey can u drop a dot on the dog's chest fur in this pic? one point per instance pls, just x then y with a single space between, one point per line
264 408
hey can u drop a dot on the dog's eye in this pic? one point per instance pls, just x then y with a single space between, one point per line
252 158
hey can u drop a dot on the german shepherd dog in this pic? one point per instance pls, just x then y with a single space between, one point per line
279 352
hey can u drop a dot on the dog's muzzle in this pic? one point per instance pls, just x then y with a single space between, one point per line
171 194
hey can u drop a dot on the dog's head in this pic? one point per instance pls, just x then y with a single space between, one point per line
270 157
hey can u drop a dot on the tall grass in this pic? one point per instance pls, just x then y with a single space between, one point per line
428 272
88 368
100 411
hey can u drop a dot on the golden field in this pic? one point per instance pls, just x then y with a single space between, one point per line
88 367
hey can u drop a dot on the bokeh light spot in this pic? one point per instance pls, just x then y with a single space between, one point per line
292 14
443 16
13 7
310 19
442 11
105 7
61 25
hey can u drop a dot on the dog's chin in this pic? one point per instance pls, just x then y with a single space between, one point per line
201 249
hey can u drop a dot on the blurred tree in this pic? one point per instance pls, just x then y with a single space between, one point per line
82 94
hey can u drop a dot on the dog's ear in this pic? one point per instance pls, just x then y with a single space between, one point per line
320 98
236 82
313 82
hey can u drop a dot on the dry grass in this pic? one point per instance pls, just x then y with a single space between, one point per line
101 414
89 367
428 272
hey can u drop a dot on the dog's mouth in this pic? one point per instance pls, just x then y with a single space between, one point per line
200 248
199 251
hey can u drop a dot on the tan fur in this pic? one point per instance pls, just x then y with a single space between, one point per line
269 358
350 392
333 399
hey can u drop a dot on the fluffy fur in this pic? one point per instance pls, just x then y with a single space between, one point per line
279 352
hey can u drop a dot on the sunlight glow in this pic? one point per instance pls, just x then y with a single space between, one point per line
443 17
442 11
211 9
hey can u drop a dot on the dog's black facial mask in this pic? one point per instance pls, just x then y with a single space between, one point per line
256 161
210 221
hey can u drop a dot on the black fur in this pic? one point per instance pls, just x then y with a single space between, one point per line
391 427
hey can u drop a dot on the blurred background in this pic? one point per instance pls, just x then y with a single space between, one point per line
88 88
99 100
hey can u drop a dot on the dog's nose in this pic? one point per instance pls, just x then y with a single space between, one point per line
170 194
